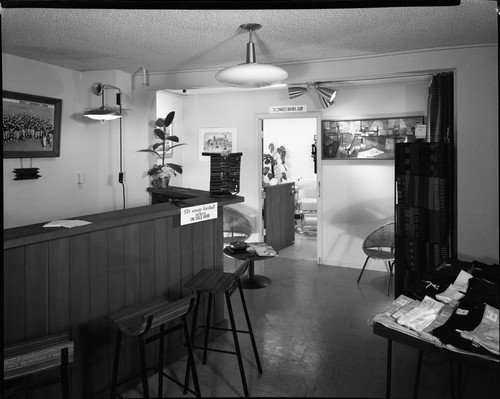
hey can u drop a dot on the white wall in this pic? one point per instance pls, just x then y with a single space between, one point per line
86 146
358 195
92 148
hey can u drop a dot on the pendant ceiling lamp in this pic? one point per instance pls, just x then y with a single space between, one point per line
103 113
325 94
251 74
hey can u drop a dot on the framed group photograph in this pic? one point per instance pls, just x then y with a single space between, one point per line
366 138
31 125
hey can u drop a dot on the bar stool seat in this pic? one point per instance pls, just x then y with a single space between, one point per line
137 320
217 282
35 356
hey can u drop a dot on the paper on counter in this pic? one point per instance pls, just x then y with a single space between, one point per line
68 223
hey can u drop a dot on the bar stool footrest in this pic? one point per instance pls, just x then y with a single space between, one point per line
175 381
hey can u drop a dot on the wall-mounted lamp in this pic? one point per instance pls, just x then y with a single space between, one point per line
251 74
102 113
106 114
325 94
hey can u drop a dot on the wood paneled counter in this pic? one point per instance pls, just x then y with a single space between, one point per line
59 279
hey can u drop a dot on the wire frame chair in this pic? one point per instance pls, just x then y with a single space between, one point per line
236 227
380 245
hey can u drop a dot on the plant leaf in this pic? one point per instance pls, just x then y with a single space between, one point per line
168 148
155 170
172 138
169 119
160 123
160 134
174 166
151 152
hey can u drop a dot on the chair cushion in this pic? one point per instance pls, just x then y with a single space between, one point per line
308 204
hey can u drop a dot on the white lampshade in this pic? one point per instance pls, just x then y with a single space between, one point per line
102 114
251 75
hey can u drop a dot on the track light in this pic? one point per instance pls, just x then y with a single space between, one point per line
102 113
251 74
296 91
326 95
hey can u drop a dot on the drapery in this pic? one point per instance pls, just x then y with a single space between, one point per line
440 115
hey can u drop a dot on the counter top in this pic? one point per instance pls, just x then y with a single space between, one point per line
189 197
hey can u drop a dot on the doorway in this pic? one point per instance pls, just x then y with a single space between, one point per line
287 146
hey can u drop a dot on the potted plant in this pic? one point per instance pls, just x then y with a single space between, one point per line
161 171
274 168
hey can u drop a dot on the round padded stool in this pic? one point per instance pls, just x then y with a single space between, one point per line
137 320
217 282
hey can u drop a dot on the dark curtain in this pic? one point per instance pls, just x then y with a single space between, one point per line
440 119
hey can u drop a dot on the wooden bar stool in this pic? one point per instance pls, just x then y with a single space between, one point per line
35 356
137 320
217 282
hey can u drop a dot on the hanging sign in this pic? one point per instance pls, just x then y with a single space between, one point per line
287 108
198 213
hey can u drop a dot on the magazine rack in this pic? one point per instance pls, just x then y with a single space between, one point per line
224 174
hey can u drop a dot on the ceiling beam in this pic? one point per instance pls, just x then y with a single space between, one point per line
223 4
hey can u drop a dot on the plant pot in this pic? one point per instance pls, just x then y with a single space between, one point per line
161 181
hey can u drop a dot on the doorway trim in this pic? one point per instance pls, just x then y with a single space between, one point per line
259 123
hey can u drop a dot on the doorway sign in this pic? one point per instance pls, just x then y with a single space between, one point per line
198 213
275 109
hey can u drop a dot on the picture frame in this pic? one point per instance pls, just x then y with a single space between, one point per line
31 125
373 138
216 141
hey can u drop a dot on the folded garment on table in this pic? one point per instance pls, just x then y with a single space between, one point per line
486 334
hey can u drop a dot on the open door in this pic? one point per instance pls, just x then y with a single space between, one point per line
279 209
299 131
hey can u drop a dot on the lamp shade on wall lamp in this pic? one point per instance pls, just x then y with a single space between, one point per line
251 74
103 113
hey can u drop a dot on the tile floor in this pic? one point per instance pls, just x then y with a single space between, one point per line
312 327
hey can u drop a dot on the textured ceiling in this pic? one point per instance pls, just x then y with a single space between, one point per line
175 40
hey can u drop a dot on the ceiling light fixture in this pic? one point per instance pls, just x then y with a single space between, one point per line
296 91
102 113
325 94
251 74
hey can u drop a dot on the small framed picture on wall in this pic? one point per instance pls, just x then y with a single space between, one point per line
217 140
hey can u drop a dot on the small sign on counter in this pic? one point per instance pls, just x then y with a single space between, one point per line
198 213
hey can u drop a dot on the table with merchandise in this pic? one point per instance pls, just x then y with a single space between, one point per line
452 312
